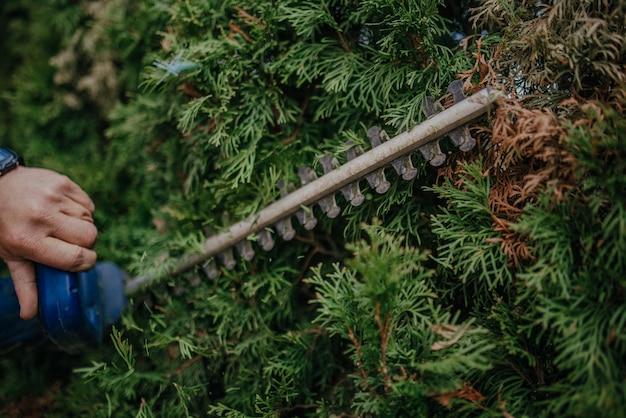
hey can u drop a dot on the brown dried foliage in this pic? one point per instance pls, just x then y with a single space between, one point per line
467 392
557 48
526 156
563 56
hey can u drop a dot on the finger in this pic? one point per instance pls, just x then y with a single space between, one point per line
63 255
23 275
76 210
74 231
78 195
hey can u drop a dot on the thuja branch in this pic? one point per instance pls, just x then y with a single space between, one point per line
359 363
383 329
343 42
296 131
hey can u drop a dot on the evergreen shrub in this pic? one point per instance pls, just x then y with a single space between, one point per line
491 286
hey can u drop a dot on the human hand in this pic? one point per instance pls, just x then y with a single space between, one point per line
45 218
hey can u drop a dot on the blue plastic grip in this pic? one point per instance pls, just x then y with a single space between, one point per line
14 330
74 308
69 308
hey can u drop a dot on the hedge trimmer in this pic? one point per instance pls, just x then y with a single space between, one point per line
75 308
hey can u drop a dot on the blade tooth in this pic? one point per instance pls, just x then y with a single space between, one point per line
329 203
403 165
461 137
432 106
456 137
408 170
228 259
432 153
456 88
352 192
285 188
377 179
306 175
354 150
265 240
329 163
329 206
245 249
306 218
305 215
283 227
467 141
373 134
210 268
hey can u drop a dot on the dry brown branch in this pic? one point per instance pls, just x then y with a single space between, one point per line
467 392
249 18
451 333
184 366
234 28
359 362
296 131
385 334
527 156
343 42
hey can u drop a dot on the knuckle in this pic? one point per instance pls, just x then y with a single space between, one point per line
42 212
91 235
59 182
76 258
53 190
81 258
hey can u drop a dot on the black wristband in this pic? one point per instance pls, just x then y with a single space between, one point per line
9 159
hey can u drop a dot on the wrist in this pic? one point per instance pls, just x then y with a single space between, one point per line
9 160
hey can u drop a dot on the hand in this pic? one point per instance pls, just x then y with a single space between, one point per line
45 218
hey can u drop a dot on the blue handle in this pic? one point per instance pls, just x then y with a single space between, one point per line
14 330
69 308
74 308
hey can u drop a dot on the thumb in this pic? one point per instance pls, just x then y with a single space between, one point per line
23 275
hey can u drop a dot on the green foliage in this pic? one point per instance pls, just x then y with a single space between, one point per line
147 389
424 312
577 282
383 307
468 244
